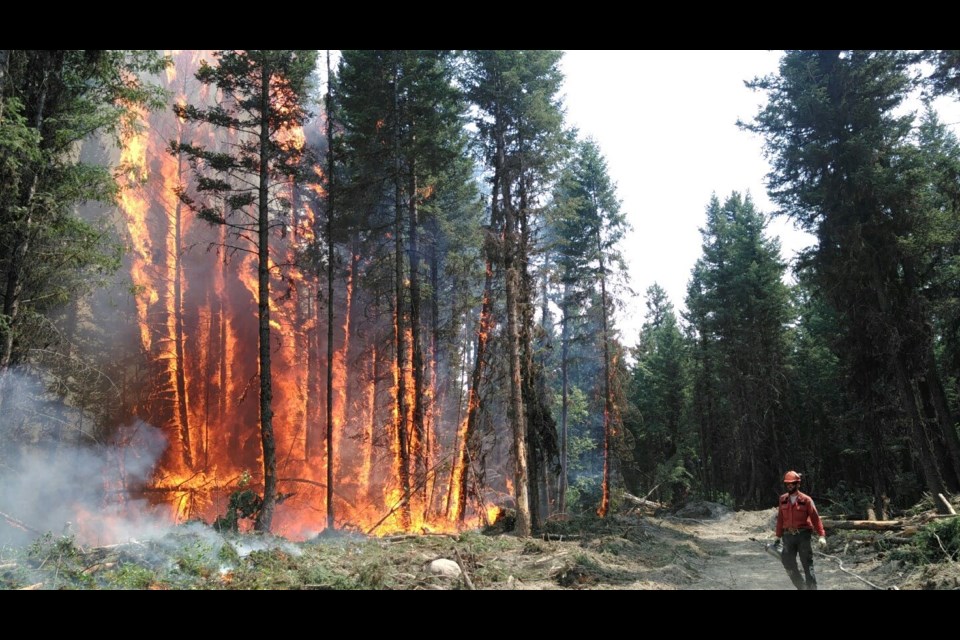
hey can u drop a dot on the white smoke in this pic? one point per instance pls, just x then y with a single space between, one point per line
71 486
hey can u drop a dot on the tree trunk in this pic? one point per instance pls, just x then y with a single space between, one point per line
440 390
462 466
181 366
934 434
366 475
313 418
607 397
419 439
265 518
945 419
403 461
517 414
564 396
330 261
918 436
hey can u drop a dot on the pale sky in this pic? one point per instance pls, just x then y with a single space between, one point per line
666 123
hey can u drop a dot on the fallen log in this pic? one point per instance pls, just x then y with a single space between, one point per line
871 525
950 511
641 502
19 525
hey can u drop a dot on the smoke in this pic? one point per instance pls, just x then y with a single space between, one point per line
72 486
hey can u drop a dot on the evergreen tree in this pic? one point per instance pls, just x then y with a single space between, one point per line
664 444
264 93
588 227
519 132
846 169
738 309
403 120
51 101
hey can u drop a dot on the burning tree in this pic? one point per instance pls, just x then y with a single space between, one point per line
519 123
245 187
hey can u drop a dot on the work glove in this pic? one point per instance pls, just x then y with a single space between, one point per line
822 542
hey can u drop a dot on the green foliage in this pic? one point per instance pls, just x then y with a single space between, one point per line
833 119
61 555
130 575
738 311
243 504
659 390
59 105
233 178
49 548
584 493
197 559
845 500
936 542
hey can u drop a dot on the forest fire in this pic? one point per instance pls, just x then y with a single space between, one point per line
196 299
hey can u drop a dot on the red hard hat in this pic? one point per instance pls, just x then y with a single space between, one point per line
791 476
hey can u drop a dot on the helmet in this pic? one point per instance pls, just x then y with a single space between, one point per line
791 476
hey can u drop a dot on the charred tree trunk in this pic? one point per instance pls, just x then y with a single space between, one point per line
476 378
536 450
223 381
265 517
419 432
310 444
607 395
517 414
181 366
210 373
330 261
366 477
399 330
440 390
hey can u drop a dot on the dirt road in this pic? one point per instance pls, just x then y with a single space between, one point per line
735 562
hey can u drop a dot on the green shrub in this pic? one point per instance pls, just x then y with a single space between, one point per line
935 542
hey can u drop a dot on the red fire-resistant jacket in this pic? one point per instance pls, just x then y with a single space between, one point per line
802 515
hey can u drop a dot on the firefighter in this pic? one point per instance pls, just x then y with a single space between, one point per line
797 522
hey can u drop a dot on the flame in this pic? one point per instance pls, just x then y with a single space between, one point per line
196 310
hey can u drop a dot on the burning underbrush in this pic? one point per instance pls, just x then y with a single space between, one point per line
621 552
627 550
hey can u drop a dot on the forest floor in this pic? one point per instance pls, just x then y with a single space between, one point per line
703 546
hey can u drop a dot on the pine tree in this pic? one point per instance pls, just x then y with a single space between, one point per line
588 225
519 131
264 93
403 123
738 309
50 102
845 168
664 449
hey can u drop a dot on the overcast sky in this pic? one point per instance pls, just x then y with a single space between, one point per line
666 123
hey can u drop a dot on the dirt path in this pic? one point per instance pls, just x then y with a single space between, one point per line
735 562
